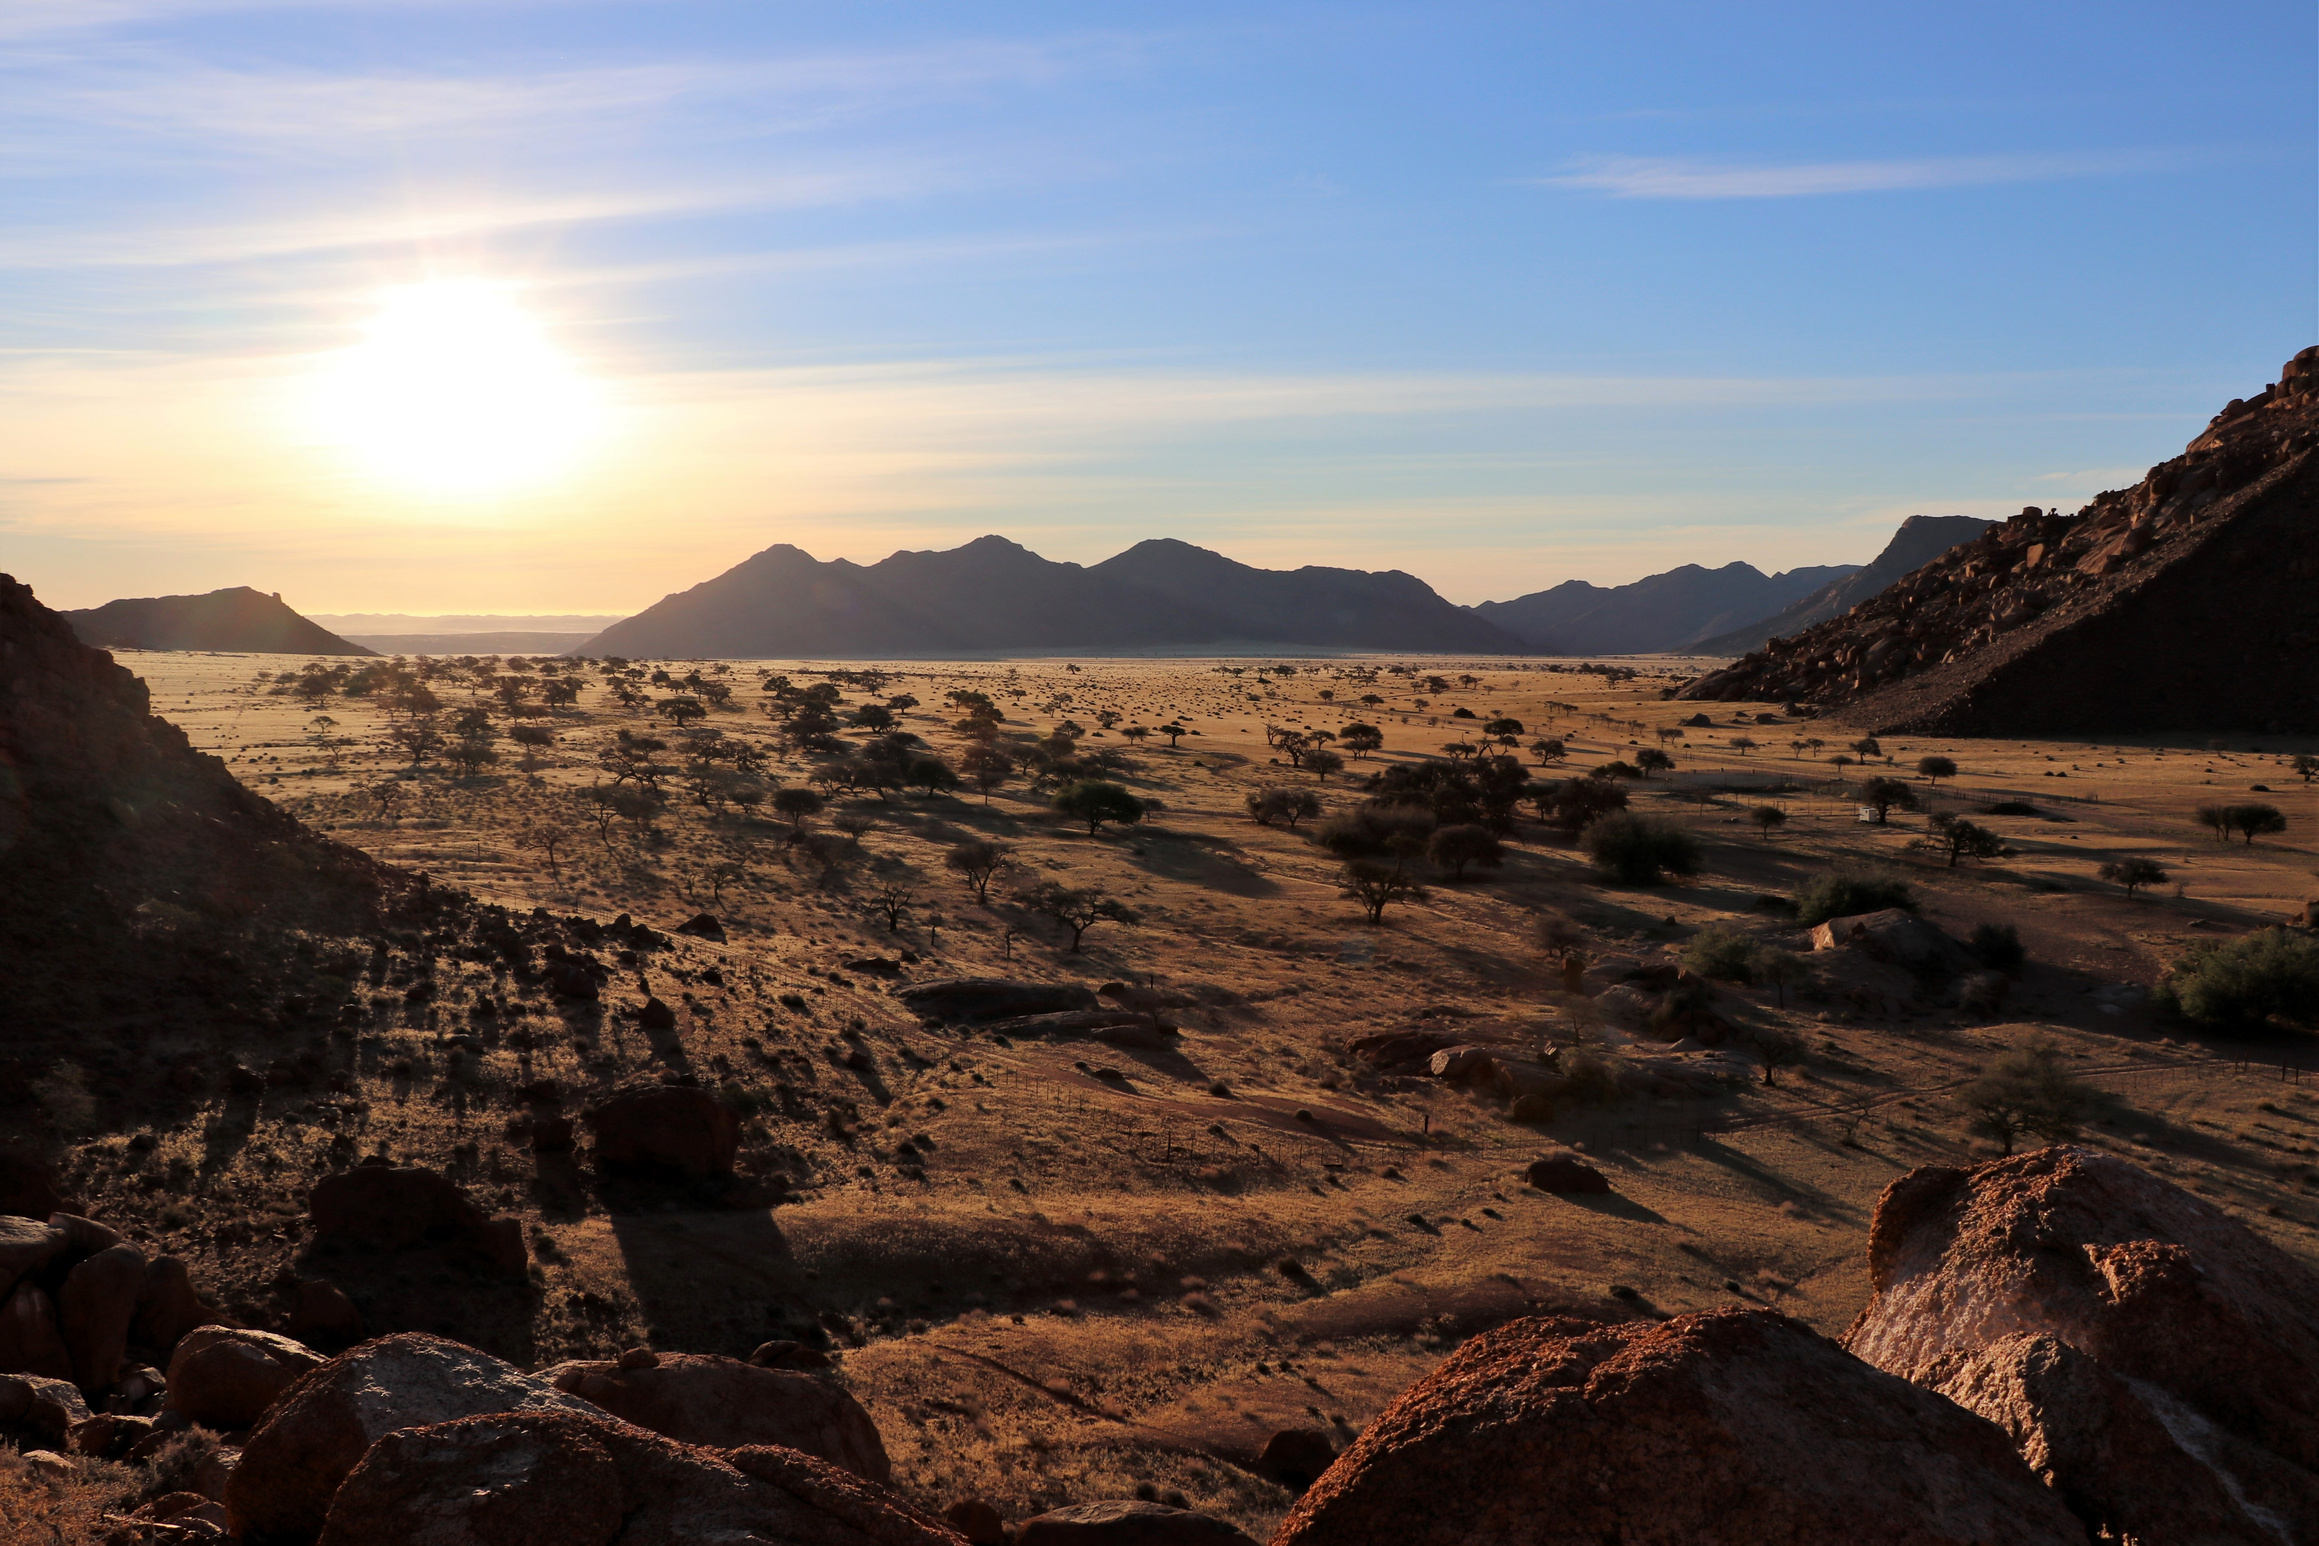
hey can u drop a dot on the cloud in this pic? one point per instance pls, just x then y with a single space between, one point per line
1645 177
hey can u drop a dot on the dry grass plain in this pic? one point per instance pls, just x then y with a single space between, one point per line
1056 1270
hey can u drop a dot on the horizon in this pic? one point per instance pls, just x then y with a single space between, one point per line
558 308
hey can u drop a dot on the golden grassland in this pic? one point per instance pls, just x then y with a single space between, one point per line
1062 1270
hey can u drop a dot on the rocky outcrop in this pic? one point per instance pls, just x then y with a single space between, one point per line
1895 937
565 1479
224 1378
396 1207
98 1302
2053 625
723 1403
977 1000
322 1425
1565 1175
1732 1425
669 1127
2155 1359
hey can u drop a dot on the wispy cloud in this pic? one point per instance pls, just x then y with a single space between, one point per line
1649 177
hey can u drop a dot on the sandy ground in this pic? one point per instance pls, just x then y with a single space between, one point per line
1062 1270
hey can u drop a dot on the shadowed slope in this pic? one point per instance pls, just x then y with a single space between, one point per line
241 620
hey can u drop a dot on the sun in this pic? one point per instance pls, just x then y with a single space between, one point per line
456 392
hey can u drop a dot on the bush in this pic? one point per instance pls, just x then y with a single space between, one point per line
1640 850
1374 829
1843 893
1724 954
2241 983
1453 848
1997 946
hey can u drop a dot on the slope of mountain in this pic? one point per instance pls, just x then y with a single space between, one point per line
995 597
2184 603
519 642
1660 612
1920 540
239 620
137 867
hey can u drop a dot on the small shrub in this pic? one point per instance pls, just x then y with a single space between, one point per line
2241 983
1641 850
1997 946
1724 954
1845 893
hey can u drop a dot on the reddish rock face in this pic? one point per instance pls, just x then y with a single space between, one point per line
225 1379
1126 1522
168 1307
30 1342
321 1426
2157 1360
666 1127
726 1404
1566 1175
559 1479
1732 1425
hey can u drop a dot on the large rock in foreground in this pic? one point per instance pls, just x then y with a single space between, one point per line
977 1000
225 1378
670 1127
321 1426
723 1403
2157 1360
559 1479
1732 1425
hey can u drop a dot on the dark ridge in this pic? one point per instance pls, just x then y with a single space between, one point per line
239 621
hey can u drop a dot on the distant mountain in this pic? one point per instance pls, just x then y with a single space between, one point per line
519 642
1920 540
240 620
363 625
993 597
1339 608
1660 613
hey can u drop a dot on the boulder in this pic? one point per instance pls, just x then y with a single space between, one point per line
322 1315
1897 938
397 1207
668 1127
25 1247
1126 1522
1398 1052
785 1354
320 1426
224 1378
1296 1457
723 1403
94 1309
568 1479
83 1238
702 926
1629 1009
107 1436
974 1000
27 1187
978 1521
30 1342
1564 1175
46 1407
1464 1064
1730 1425
167 1307
2157 1360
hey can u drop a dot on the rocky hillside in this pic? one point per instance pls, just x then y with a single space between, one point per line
2171 605
239 620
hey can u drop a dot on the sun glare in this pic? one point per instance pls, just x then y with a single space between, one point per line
457 392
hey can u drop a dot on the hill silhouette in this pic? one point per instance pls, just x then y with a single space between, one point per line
2176 604
1920 540
1659 613
240 620
993 597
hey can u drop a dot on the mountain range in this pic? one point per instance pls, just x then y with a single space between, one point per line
1660 613
237 619
1920 540
995 597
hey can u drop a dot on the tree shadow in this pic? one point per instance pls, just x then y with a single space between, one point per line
1171 857
1611 1205
719 1282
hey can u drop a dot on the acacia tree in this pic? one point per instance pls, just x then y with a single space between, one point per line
1096 801
2254 820
797 804
1768 818
893 901
2133 873
1077 908
1274 803
1935 769
1360 739
1650 760
1375 886
1960 839
1455 847
977 861
2026 1091
1882 794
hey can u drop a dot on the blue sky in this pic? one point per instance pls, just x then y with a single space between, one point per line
1502 295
